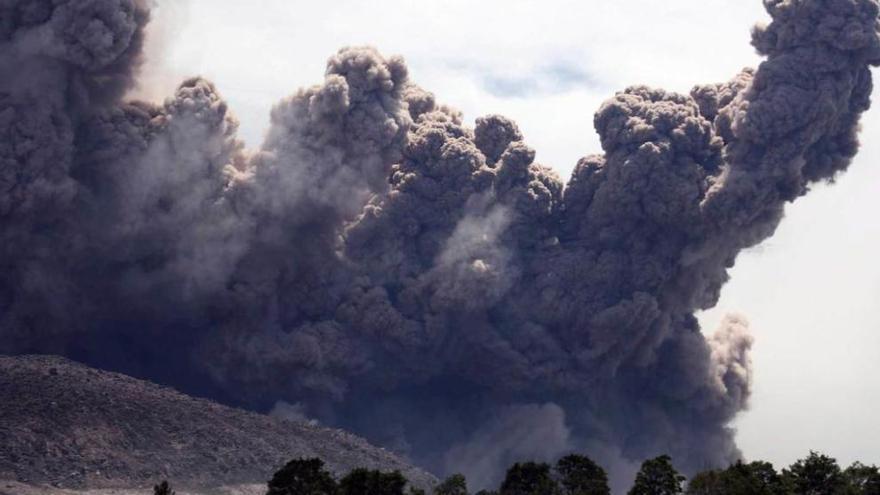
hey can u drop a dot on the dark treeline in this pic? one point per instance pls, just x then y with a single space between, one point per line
817 474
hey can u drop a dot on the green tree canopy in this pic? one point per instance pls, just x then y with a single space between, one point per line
862 479
453 485
302 477
816 475
706 483
529 478
657 477
579 475
755 478
371 482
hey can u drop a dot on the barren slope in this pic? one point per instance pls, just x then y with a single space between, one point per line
66 425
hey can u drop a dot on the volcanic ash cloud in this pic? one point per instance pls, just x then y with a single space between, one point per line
391 270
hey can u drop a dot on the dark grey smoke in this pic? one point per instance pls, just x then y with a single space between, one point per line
384 267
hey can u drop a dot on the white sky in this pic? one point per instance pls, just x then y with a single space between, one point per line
812 292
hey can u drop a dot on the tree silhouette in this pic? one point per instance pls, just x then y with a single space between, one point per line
756 478
707 483
163 488
529 478
816 475
371 482
657 477
579 475
302 477
862 479
453 485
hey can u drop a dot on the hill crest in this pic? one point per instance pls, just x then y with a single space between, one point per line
66 425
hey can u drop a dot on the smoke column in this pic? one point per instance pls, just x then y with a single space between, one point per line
380 266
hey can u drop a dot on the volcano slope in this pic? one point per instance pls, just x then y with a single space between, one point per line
65 425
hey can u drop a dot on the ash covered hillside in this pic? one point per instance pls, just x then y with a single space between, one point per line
65 425
382 266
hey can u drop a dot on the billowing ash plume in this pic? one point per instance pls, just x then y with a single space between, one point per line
388 269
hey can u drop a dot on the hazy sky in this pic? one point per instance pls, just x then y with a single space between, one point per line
812 292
